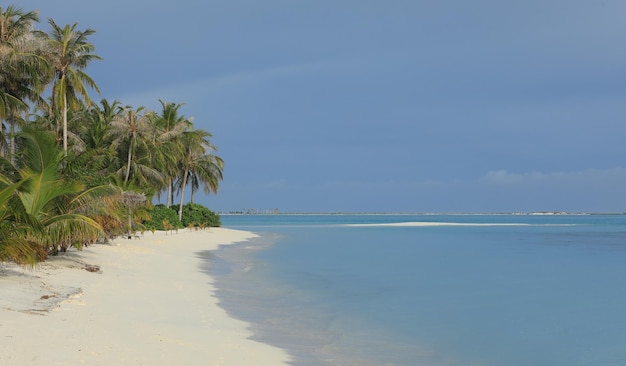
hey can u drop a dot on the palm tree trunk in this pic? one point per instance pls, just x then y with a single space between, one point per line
169 193
172 191
12 139
182 195
65 126
130 152
130 223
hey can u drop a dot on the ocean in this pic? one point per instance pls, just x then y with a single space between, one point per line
434 290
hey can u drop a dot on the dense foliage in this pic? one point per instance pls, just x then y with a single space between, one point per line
198 216
73 171
160 217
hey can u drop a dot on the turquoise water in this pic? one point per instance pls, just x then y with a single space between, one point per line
485 290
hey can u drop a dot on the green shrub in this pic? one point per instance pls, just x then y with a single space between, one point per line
158 215
195 215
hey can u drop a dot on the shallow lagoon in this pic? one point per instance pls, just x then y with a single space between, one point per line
541 290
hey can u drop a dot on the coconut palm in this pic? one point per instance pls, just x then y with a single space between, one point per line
23 73
208 172
168 127
130 135
90 157
15 28
93 132
69 53
55 207
14 243
198 161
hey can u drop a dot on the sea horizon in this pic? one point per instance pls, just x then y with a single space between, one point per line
400 213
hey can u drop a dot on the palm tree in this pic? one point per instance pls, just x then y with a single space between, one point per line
90 156
130 136
134 202
94 131
23 73
168 128
209 172
198 161
15 26
14 244
54 206
69 53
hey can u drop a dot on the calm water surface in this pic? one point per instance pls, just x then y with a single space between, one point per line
490 290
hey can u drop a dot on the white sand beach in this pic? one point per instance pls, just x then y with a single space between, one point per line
134 302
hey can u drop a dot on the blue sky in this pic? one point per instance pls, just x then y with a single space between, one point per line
403 106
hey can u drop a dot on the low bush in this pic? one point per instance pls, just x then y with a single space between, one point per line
161 214
195 215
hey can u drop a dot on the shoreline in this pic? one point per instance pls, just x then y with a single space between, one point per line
275 310
131 302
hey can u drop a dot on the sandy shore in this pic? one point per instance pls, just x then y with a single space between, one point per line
134 302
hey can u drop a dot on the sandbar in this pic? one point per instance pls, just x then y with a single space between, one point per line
428 223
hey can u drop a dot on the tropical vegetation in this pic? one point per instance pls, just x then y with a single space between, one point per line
74 171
